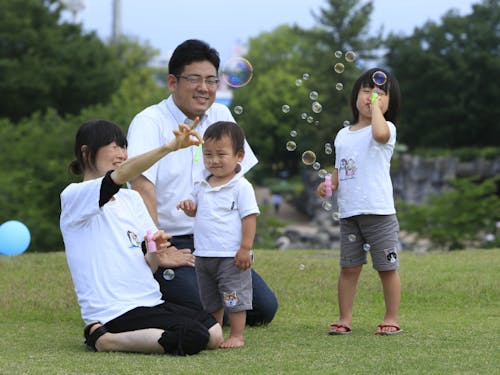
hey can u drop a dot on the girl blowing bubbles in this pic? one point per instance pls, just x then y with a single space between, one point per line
368 221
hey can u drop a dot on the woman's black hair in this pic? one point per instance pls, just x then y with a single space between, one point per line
391 87
94 134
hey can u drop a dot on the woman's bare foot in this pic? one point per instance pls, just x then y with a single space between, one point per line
233 342
97 344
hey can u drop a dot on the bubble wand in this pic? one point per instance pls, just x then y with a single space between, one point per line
379 78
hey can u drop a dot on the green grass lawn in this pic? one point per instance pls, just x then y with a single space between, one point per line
450 310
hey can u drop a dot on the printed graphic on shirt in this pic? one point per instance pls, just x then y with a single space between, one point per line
347 169
132 237
230 299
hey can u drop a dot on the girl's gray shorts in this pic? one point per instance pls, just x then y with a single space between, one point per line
374 234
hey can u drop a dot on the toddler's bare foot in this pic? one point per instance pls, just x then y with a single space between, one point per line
233 342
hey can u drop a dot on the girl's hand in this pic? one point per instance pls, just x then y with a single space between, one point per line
321 190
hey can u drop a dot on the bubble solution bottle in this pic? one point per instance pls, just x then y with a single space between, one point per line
151 244
328 185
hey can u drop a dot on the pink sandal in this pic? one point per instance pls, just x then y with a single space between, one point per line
336 329
381 326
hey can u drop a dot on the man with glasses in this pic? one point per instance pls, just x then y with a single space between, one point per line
192 82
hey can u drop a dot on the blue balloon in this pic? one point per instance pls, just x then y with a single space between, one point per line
14 238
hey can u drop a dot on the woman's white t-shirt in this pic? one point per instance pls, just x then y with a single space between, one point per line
103 250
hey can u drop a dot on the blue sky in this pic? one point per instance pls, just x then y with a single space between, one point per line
227 23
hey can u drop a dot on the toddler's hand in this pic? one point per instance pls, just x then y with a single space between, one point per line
243 259
188 206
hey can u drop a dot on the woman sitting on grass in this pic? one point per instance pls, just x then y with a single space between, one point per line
103 227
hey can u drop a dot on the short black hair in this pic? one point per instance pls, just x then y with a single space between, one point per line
220 129
189 51
94 134
391 87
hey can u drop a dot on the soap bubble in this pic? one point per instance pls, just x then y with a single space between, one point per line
168 274
293 133
316 165
316 107
322 173
298 82
306 76
238 109
301 267
327 206
350 56
328 148
339 86
351 237
346 123
237 72
338 54
313 95
291 146
339 68
285 108
303 116
336 216
310 119
379 78
308 157
14 238
366 247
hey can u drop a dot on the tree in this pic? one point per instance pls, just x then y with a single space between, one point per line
45 62
447 74
345 26
35 152
457 217
289 54
276 59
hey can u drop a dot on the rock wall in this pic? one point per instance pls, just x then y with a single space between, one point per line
414 178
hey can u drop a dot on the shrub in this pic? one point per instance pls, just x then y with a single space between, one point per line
459 215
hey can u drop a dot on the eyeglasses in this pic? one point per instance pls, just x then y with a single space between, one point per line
196 80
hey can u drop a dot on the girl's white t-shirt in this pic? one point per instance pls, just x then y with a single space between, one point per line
363 166
103 251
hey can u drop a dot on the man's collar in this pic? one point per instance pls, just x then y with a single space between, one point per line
179 116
